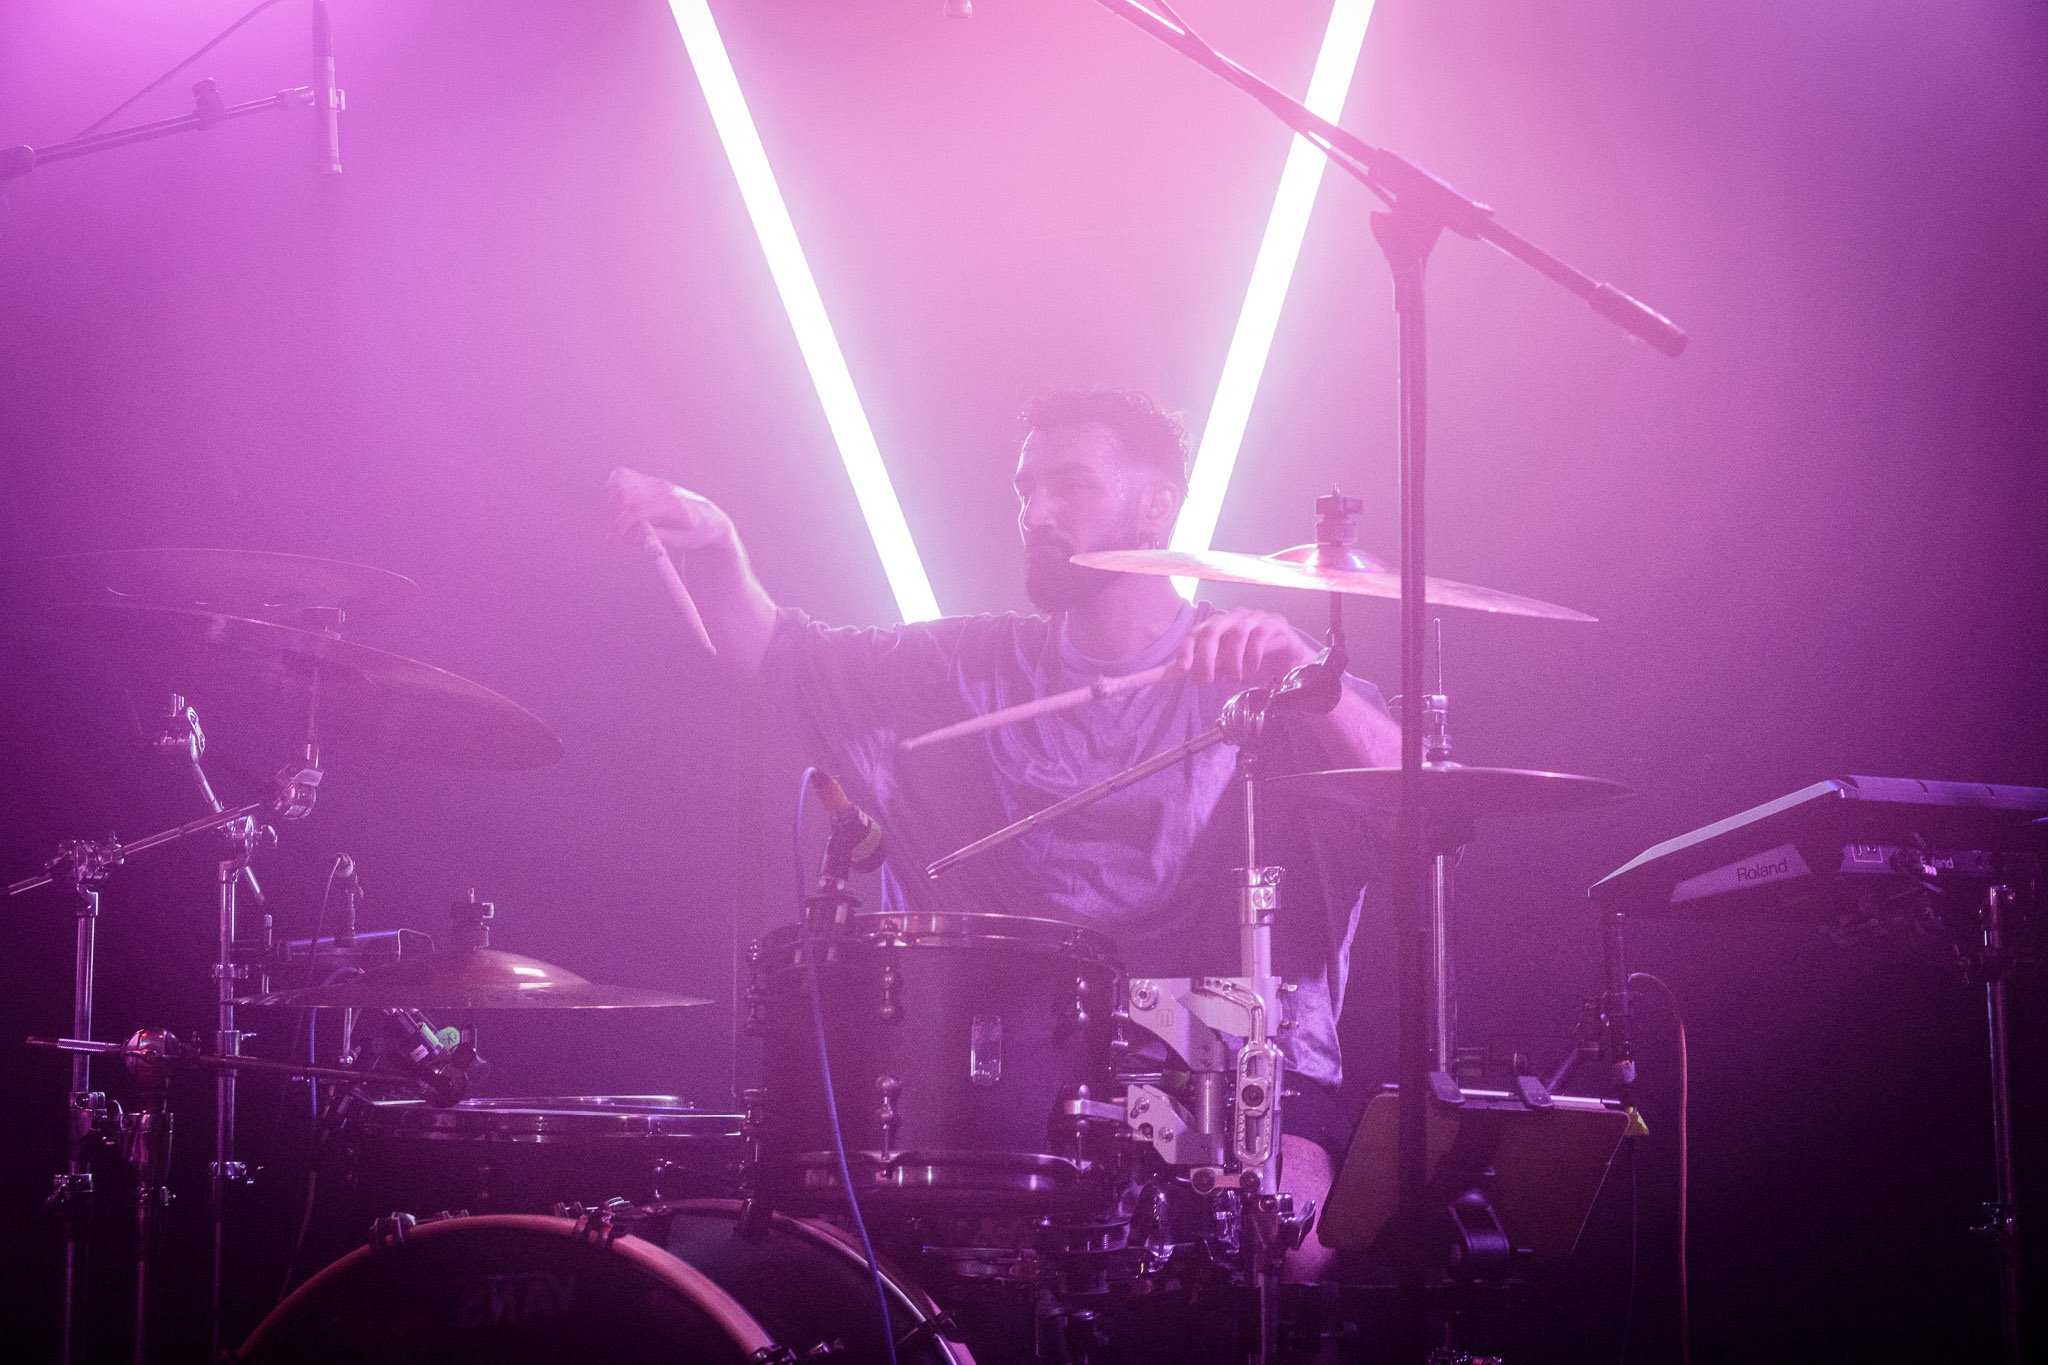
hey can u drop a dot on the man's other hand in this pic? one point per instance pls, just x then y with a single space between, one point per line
1246 647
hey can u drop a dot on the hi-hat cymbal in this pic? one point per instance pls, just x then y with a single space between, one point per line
472 979
1453 792
240 582
349 691
1301 567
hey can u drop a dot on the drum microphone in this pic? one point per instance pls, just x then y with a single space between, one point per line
856 844
327 99
405 1044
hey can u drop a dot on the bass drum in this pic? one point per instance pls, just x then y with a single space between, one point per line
507 1289
519 1289
805 1281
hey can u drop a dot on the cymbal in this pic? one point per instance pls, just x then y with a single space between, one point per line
1304 567
354 692
241 582
472 979
1452 791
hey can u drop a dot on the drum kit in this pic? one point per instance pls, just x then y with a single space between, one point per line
1074 1162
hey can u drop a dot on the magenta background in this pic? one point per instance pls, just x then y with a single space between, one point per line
1814 542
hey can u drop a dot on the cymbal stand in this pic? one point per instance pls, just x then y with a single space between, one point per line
1444 845
82 868
146 1148
1992 960
296 794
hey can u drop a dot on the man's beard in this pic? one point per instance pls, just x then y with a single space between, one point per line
1055 585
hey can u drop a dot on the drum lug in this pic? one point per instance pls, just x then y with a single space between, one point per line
892 993
757 992
600 1226
1077 1014
392 1229
885 1113
774 1355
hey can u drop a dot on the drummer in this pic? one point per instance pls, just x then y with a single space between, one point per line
1151 865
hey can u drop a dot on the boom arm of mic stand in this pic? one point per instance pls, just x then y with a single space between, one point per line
1406 185
1087 796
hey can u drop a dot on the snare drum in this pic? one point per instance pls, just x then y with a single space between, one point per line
531 1155
960 1044
511 1289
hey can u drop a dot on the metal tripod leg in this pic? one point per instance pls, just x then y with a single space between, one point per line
2001 1216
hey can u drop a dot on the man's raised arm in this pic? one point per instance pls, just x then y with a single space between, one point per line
738 613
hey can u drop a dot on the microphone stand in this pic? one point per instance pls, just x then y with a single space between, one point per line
1419 208
208 109
323 96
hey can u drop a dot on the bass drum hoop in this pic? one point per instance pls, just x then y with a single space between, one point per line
694 1284
922 1308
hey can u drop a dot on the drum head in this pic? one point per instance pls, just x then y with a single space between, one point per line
506 1290
805 1282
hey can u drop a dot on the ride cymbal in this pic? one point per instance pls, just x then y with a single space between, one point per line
1302 567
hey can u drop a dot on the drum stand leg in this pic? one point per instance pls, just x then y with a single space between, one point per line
85 1118
146 1147
1994 962
227 1042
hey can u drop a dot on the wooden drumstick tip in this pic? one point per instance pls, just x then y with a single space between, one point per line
678 591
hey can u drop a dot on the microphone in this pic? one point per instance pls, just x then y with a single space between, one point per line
405 1044
327 99
351 895
856 844
1621 1058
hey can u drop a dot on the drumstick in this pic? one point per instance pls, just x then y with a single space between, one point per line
666 567
1059 701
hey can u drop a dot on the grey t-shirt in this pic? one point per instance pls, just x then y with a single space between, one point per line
1150 865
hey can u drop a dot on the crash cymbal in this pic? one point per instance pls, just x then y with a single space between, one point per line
240 582
1312 567
350 691
1452 791
472 979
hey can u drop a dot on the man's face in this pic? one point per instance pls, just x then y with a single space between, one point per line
1077 491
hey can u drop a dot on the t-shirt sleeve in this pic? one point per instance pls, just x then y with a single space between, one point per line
854 693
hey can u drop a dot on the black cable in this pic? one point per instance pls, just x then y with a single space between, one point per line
311 1018
325 1129
1635 1211
211 44
808 948
1684 1165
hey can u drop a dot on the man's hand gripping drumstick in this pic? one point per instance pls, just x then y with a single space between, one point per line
671 523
